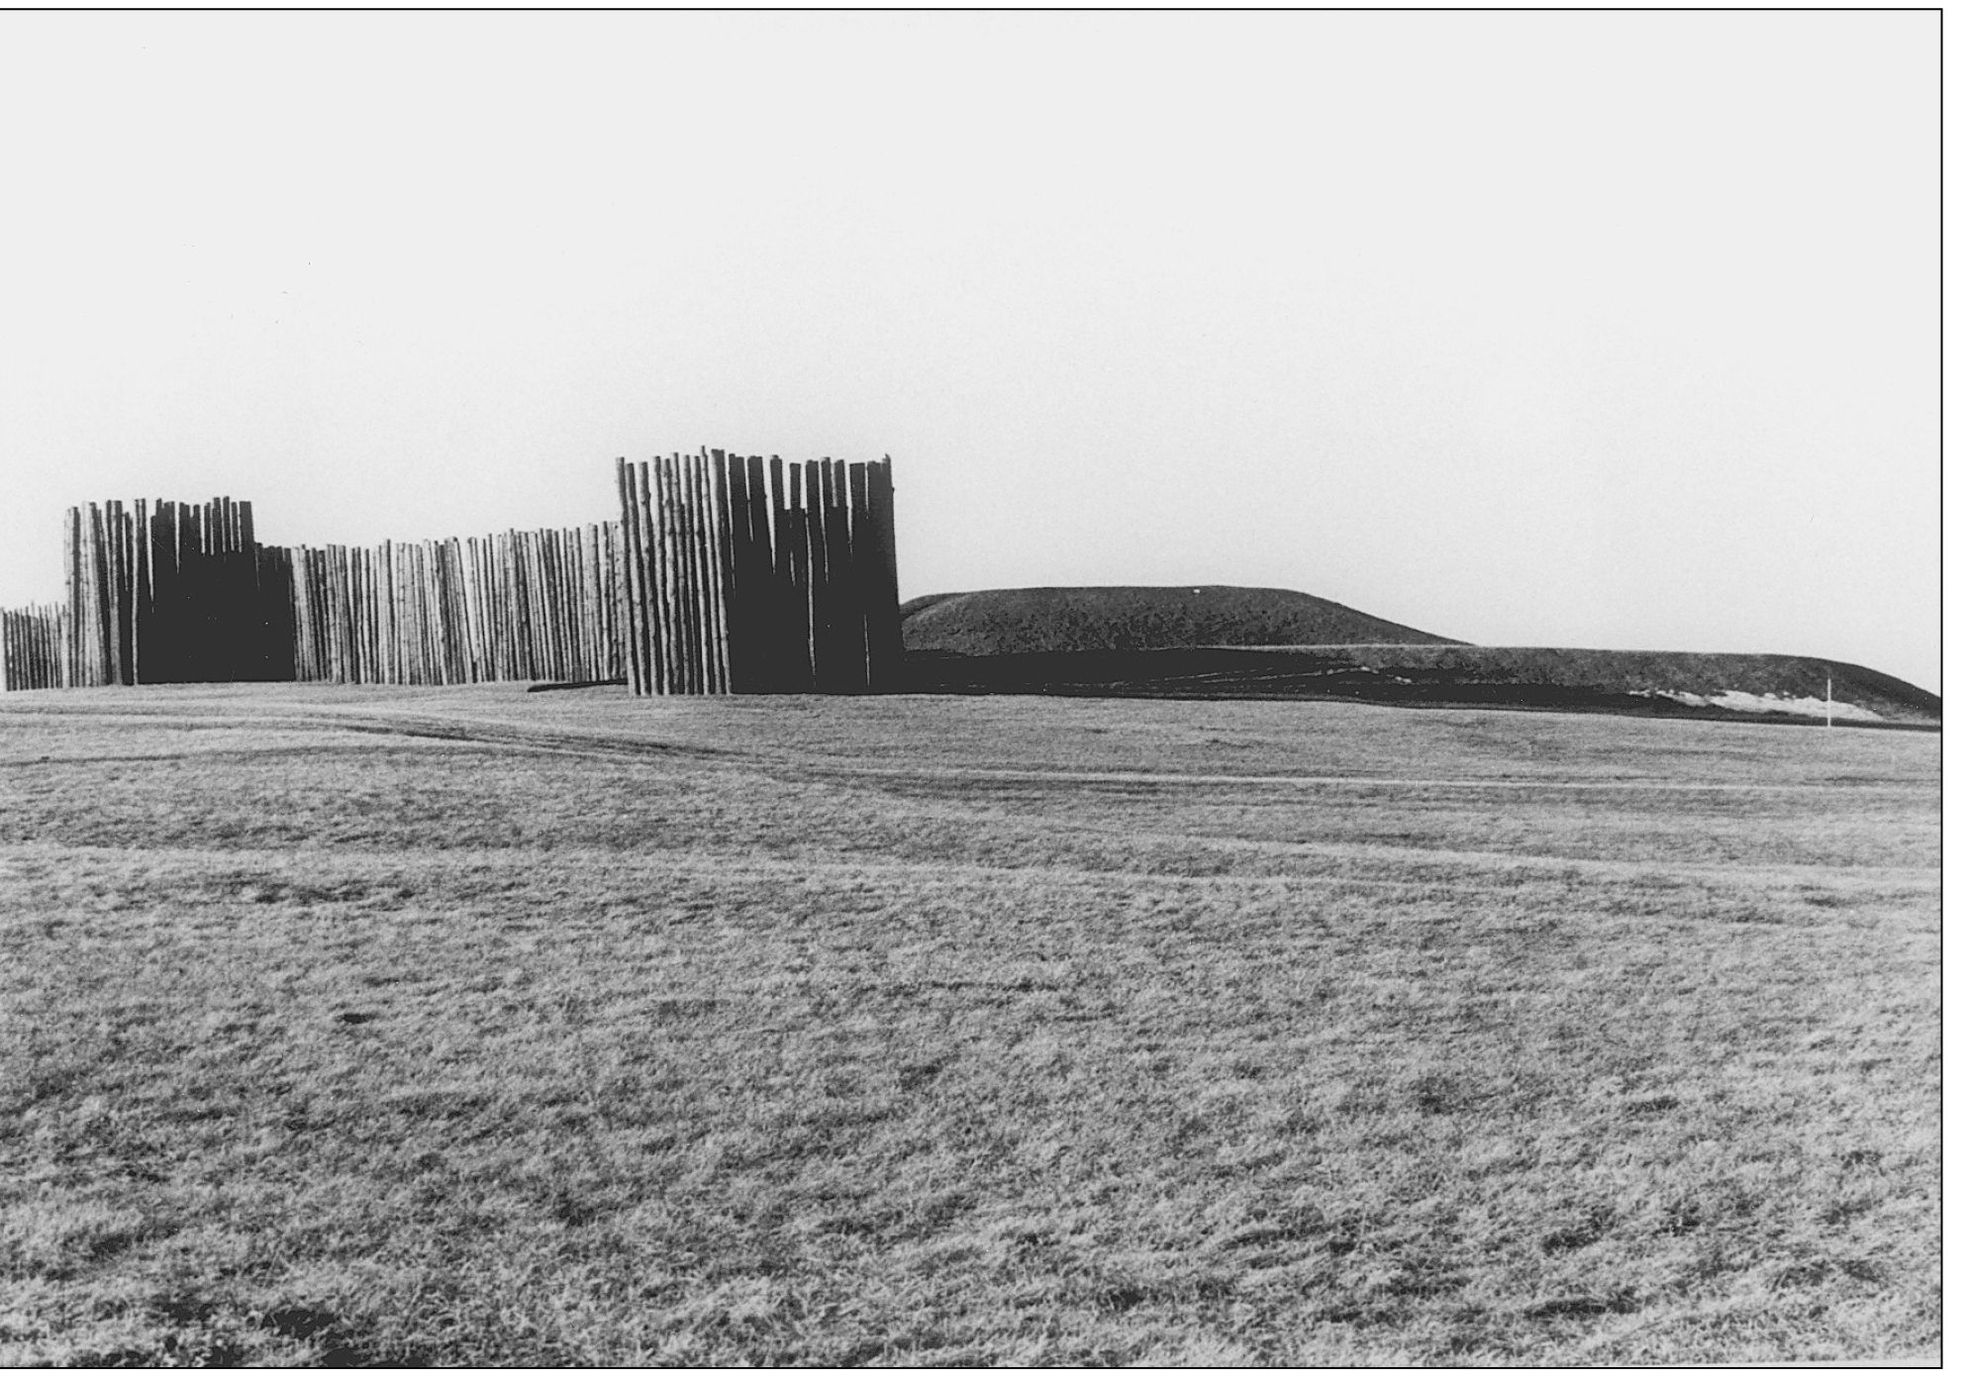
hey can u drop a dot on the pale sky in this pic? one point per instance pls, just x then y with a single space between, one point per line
1609 330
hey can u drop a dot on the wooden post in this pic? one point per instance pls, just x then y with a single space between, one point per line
885 616
574 576
678 603
424 596
785 630
362 613
548 601
579 589
704 512
254 650
640 589
488 611
145 584
72 590
814 517
104 518
717 570
416 587
303 634
556 545
471 590
733 523
859 544
574 592
191 587
310 587
757 603
672 615
449 645
499 601
639 642
485 588
101 666
112 533
847 612
525 583
410 625
405 577
539 604
612 571
692 550
799 611
474 611
749 579
576 539
718 559
594 584
513 553
682 600
160 633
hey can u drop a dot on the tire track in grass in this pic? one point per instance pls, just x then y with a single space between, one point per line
617 745
449 728
475 732
25 861
462 731
1027 776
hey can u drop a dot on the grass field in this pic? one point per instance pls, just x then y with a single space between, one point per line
472 1026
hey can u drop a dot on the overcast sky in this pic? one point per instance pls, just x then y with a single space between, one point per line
1612 330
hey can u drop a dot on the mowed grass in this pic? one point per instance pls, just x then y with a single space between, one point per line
477 1027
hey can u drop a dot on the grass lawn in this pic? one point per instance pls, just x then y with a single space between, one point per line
471 1026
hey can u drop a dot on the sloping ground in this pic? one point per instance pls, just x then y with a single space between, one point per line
1675 684
998 643
1747 683
991 622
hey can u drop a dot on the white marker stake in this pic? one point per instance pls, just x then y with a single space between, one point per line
1827 701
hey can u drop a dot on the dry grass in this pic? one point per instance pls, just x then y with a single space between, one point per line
572 1029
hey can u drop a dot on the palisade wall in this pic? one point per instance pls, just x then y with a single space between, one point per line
31 642
162 592
748 575
516 605
725 574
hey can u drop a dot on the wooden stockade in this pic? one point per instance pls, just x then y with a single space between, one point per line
160 592
31 642
517 605
752 576
726 574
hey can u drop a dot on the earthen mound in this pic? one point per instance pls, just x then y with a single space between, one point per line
1000 622
1219 642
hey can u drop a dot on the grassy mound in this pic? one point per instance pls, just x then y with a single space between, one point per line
1727 680
1219 642
1661 683
998 622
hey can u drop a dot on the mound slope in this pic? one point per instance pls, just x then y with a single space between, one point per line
999 622
1260 644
